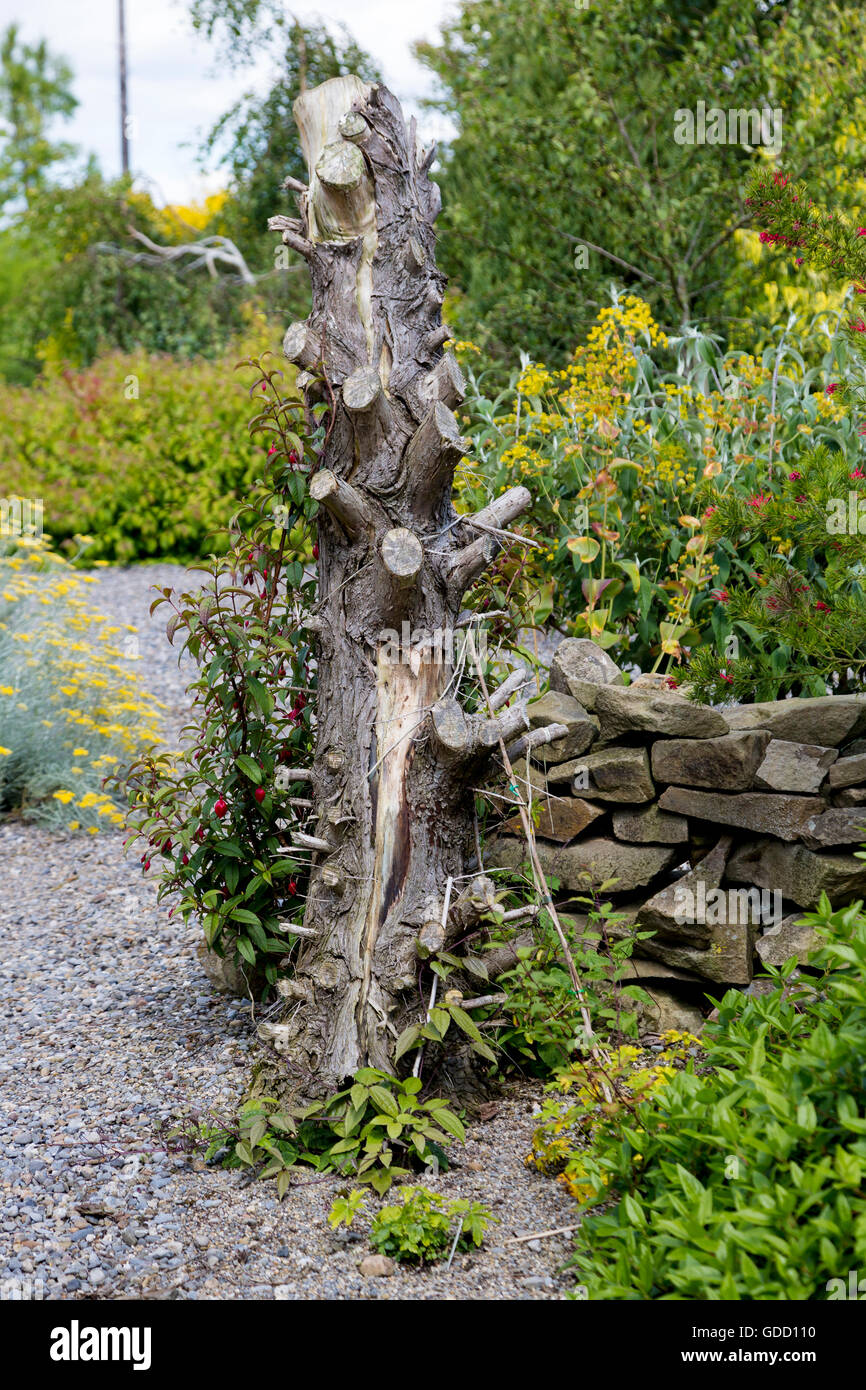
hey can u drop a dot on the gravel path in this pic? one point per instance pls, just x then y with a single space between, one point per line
111 1027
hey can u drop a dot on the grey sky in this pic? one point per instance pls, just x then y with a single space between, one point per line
175 91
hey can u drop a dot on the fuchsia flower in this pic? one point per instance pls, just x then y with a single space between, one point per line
828 390
861 231
795 476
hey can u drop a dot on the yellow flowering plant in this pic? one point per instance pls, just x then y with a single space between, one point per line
621 449
71 706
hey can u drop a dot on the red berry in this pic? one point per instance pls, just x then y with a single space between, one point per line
259 794
220 806
185 859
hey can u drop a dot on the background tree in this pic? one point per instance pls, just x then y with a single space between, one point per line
565 145
35 89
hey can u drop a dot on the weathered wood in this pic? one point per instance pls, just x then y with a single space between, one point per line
395 757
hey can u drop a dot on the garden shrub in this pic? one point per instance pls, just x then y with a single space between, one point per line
375 1130
420 1227
71 709
219 816
145 456
621 450
795 619
739 1176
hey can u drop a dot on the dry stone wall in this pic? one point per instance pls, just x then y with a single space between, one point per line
718 825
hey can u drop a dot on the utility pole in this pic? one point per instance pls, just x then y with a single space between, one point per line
124 118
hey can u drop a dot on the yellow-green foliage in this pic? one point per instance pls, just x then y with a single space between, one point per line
144 455
586 1099
620 450
71 709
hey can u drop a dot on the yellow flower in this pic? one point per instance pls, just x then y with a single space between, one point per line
5 752
80 753
65 797
75 825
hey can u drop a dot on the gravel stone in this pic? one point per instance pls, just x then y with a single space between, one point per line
110 1028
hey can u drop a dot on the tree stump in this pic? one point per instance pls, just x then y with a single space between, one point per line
396 757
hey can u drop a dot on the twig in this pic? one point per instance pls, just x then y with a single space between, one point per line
541 1235
416 1070
540 879
454 1244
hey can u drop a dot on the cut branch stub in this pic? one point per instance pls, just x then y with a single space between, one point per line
503 509
342 501
402 556
367 404
444 383
451 727
431 456
301 347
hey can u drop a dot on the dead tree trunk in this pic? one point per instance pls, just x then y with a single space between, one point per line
395 754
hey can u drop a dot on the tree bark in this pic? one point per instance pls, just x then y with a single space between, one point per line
395 754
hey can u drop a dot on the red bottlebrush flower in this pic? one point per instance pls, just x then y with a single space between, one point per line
861 231
828 390
710 511
729 680
259 794
858 326
861 429
858 473
220 806
780 179
760 501
671 683
795 476
822 607
801 498
721 595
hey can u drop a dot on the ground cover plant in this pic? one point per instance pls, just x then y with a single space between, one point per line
72 706
734 1169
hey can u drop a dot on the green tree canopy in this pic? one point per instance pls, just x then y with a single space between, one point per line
566 171
35 88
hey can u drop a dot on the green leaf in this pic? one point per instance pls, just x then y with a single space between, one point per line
246 949
261 695
384 1101
249 767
